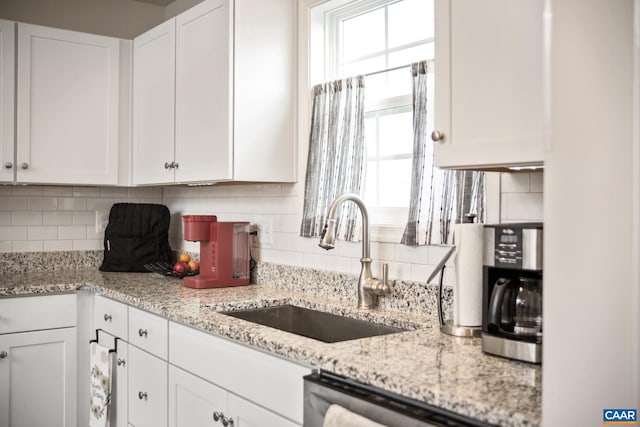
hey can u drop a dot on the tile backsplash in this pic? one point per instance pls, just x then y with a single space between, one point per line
44 218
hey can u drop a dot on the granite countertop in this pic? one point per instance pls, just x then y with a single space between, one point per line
422 363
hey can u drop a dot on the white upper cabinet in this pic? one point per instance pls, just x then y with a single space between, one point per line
489 83
67 107
232 118
204 66
153 104
7 98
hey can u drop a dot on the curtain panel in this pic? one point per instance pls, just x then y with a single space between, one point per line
336 156
439 198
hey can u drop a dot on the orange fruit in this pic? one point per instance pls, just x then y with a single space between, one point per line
184 257
194 265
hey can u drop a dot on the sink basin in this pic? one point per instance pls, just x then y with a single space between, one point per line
314 324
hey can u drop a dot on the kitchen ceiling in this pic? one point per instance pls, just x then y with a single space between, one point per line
156 2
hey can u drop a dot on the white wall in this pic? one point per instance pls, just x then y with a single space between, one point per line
590 301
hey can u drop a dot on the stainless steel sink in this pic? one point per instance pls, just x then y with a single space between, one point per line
314 324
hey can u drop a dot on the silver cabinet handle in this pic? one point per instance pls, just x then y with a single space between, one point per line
3 354
24 165
167 165
142 332
437 136
176 165
121 362
227 421
108 318
217 415
8 165
142 395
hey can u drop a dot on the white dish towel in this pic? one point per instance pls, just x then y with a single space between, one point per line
100 385
337 416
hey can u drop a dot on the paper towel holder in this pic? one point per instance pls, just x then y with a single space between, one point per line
448 327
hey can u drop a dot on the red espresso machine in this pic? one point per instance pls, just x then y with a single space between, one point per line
224 252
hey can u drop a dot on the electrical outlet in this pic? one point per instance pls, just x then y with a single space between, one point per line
263 225
102 219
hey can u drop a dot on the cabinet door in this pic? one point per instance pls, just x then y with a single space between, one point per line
489 83
119 382
204 93
153 105
193 401
7 61
147 389
38 378
247 414
67 107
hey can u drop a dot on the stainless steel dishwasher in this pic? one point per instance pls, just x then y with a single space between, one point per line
322 389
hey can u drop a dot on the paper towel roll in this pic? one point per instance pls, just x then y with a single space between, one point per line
467 291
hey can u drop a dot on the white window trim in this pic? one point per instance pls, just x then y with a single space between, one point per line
308 75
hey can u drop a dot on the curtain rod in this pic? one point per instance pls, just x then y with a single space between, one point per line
388 70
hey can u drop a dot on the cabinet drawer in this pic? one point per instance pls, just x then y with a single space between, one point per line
240 370
148 332
37 312
111 316
148 387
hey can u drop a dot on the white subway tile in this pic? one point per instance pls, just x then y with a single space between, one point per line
421 272
58 191
57 245
272 190
339 264
84 218
412 254
86 192
6 246
87 245
92 234
290 223
57 218
5 190
523 207
42 232
14 203
26 190
5 218
43 203
397 271
26 218
72 204
116 192
94 204
13 233
537 182
514 182
317 261
72 232
27 246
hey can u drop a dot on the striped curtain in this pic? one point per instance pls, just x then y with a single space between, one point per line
336 156
439 198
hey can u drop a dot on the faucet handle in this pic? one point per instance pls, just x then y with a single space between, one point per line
380 287
385 274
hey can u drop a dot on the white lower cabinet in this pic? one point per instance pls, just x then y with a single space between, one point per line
147 402
263 390
194 402
38 361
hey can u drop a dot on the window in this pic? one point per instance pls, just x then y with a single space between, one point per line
378 38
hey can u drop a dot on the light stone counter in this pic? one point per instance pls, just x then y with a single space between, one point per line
451 373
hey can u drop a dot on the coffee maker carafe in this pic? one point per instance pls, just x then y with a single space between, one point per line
512 291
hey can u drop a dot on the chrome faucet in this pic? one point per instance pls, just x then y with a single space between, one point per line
369 288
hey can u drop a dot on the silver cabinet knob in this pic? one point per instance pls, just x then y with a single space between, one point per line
142 395
226 421
121 362
176 165
437 136
142 332
167 165
24 165
8 165
3 354
108 318
217 415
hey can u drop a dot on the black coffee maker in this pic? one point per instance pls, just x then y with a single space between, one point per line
512 291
